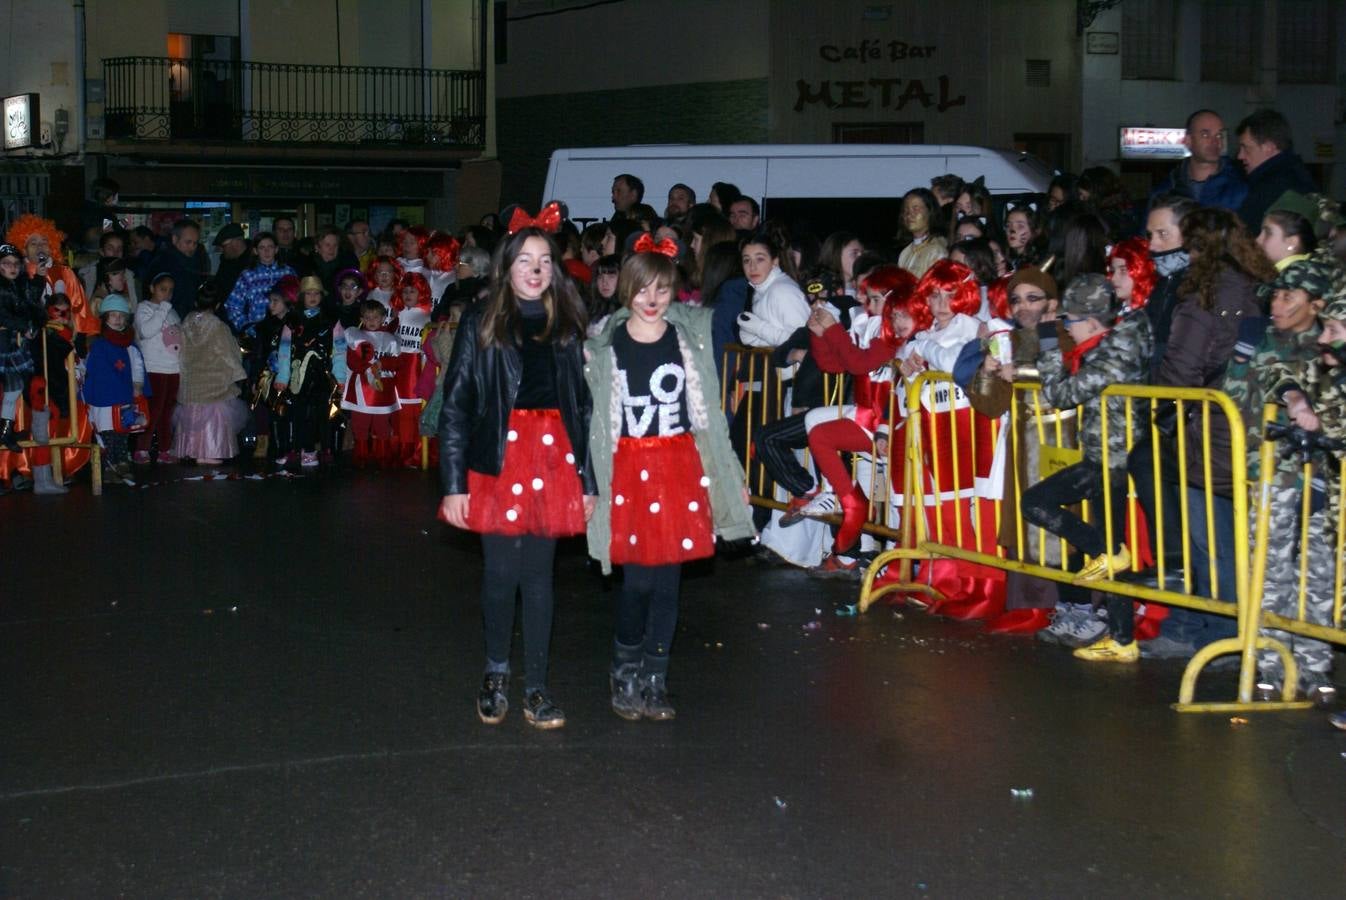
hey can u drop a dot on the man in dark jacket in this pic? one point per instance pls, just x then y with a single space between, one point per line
179 259
1273 167
1207 176
235 256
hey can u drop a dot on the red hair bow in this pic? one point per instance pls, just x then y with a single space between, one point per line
645 244
548 219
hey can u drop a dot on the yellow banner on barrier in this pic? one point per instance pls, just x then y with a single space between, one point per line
1053 459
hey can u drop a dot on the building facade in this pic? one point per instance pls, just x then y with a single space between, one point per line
324 111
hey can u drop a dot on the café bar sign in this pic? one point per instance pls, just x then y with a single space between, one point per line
1147 142
22 115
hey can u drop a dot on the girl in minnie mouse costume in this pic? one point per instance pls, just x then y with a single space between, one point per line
513 450
668 479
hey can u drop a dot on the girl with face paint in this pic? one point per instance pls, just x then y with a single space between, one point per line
923 249
513 452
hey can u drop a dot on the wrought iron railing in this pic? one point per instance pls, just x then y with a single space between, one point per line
150 98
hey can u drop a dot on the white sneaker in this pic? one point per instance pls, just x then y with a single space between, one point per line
1084 631
308 460
824 503
1063 619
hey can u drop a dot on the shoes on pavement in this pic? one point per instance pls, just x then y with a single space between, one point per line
1108 650
654 697
835 567
492 704
1165 647
165 458
141 457
1337 720
626 701
308 460
540 712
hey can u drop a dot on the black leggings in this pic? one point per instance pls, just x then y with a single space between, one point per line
308 413
518 565
647 614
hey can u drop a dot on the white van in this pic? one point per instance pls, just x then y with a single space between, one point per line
833 186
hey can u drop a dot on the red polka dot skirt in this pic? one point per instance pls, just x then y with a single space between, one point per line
660 502
538 490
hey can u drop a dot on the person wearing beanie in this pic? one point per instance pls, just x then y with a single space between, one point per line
114 383
1107 351
986 370
1296 364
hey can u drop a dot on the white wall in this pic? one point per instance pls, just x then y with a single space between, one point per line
1108 102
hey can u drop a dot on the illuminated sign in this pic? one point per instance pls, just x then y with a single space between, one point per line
21 121
1144 142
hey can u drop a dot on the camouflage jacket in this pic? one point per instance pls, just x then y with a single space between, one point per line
1325 388
1122 357
1264 357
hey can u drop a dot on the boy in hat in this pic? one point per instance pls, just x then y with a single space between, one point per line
1107 351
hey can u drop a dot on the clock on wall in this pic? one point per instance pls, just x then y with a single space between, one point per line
21 117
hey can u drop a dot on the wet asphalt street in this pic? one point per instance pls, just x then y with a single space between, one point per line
265 689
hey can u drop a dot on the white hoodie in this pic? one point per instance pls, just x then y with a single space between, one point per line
779 309
152 321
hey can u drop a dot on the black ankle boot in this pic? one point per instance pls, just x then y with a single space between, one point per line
626 700
492 704
9 438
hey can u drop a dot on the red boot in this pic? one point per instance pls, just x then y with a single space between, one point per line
854 510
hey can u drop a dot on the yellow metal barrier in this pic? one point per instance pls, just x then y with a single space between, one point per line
925 493
71 439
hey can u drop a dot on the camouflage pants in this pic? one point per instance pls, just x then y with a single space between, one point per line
1280 591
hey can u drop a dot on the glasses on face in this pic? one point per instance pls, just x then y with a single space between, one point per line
1030 298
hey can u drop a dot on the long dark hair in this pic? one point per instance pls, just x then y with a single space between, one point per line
723 262
566 319
1217 240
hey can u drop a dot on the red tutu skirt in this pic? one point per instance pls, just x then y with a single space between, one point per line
660 502
538 490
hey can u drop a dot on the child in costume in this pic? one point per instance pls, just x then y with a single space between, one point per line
668 479
514 452
21 317
371 386
350 288
271 418
114 379
412 320
311 356
159 337
382 277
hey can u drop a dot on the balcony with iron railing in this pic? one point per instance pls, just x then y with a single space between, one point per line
168 101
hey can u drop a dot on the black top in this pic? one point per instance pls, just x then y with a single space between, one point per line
654 396
537 386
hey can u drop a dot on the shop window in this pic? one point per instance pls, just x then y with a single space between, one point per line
878 132
1306 33
1149 33
1231 47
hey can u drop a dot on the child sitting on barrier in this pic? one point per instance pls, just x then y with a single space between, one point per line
1310 386
866 353
1107 351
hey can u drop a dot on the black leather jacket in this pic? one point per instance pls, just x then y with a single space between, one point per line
480 386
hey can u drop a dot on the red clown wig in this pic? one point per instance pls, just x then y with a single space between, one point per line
997 297
423 297
372 270
898 285
441 252
1135 253
955 278
422 236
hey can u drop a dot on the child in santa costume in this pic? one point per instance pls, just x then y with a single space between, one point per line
412 321
370 393
513 452
668 478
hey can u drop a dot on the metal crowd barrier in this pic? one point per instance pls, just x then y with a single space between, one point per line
939 427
